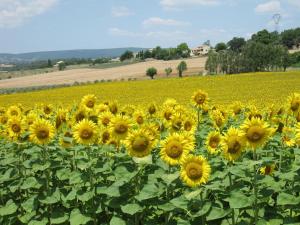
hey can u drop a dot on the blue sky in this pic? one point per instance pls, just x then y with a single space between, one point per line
39 25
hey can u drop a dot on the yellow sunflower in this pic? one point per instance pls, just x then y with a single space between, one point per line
288 137
79 115
100 108
152 109
176 122
175 148
213 141
217 118
189 124
105 118
15 127
139 117
61 117
3 119
113 107
85 132
119 127
298 134
267 170
256 132
13 111
167 112
47 110
88 102
170 103
200 98
139 143
41 131
236 107
294 102
232 144
104 136
195 170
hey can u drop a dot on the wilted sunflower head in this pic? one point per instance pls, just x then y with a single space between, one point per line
88 102
232 144
47 109
3 119
104 136
113 107
189 124
256 132
213 141
175 148
139 143
294 102
41 131
66 140
236 107
119 127
79 115
199 98
195 171
176 122
267 170
85 132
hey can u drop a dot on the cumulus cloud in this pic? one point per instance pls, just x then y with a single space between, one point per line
15 12
121 11
177 4
157 21
268 7
294 3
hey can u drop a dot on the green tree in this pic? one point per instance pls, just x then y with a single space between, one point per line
182 66
265 37
49 63
236 44
183 50
61 65
168 71
151 72
126 55
220 46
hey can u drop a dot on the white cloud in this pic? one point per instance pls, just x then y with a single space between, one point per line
121 11
177 4
114 31
15 12
157 21
294 3
269 7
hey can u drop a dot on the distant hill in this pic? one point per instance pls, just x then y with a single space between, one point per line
64 54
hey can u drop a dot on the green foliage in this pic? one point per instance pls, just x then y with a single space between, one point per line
220 46
61 65
168 71
236 44
151 72
182 66
126 55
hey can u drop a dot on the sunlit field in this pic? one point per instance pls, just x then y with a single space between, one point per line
260 88
169 163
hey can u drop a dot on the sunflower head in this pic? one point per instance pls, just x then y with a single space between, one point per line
195 171
85 132
113 107
105 118
139 143
267 170
119 127
88 102
175 148
139 117
199 98
213 141
232 144
256 132
47 110
15 126
152 108
294 102
14 111
41 131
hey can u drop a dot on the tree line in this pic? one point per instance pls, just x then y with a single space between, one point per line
265 51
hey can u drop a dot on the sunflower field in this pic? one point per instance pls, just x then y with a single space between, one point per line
104 163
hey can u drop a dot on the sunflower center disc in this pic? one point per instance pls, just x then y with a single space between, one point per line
295 105
152 110
16 128
194 170
121 128
90 104
167 115
42 134
255 133
174 149
200 99
105 121
140 120
177 125
267 170
14 113
47 110
187 126
233 146
214 142
140 144
86 134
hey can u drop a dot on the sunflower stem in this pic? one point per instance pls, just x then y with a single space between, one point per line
89 150
203 218
255 208
231 187
198 119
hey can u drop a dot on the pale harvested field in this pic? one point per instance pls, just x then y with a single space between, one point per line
195 65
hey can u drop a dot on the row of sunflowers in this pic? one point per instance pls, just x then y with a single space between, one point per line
99 163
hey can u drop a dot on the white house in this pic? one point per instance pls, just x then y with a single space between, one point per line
200 50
